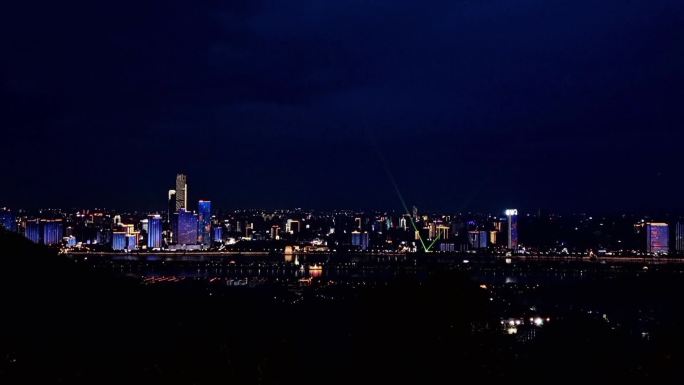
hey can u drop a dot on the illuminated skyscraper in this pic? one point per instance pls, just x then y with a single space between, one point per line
443 231
657 238
292 226
181 192
360 239
154 232
218 234
52 232
187 228
679 238
32 231
204 221
512 215
171 205
275 232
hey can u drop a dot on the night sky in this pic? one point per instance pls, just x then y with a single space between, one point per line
471 105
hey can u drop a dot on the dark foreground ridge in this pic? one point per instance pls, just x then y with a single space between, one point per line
63 323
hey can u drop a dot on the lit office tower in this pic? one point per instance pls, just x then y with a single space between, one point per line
154 232
360 239
478 239
292 226
204 220
171 208
52 232
657 238
218 233
181 192
7 220
119 240
32 231
679 238
187 228
512 215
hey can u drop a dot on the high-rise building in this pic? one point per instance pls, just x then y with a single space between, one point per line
52 232
204 221
181 192
657 238
187 227
478 239
679 238
119 240
154 232
32 231
218 234
512 215
275 232
360 239
443 232
171 207
292 226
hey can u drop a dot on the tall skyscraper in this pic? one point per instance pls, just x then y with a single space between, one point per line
181 192
657 238
512 215
187 228
171 208
52 232
204 220
218 234
32 231
679 238
154 232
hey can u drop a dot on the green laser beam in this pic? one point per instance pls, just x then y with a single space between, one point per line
396 188
401 199
433 243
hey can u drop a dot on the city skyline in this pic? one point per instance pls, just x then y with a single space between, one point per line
341 192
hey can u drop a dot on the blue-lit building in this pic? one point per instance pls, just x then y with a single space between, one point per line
186 228
477 239
132 241
32 231
7 220
118 241
154 232
512 215
218 234
657 238
204 223
52 232
360 239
